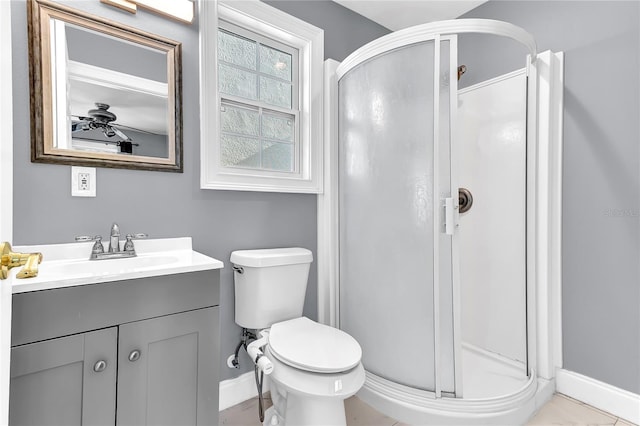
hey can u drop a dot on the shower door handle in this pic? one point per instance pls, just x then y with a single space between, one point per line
450 209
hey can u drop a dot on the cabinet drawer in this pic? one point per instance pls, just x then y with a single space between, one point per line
48 314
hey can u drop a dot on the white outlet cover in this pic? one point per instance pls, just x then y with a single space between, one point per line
83 181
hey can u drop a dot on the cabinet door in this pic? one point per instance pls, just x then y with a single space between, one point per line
168 370
65 381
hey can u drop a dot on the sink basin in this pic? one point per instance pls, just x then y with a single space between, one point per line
66 265
105 267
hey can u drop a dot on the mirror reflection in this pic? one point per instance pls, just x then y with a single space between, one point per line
117 104
110 94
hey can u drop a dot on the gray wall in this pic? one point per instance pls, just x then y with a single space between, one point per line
601 179
168 204
345 30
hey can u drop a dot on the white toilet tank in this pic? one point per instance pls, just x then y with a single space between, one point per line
270 285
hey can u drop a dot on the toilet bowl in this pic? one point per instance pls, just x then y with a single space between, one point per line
316 367
313 367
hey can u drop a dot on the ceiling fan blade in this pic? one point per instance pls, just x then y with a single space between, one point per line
135 129
79 126
80 117
120 134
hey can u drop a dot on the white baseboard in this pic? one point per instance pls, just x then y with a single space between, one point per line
239 389
619 402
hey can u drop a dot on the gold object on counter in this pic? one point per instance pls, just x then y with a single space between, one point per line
10 259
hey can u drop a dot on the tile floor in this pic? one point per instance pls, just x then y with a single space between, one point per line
561 410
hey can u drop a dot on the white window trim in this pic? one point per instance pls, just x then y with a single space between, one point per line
309 40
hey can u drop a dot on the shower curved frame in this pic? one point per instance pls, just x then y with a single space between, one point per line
544 123
433 30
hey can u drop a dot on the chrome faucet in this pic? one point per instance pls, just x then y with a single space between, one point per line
114 240
114 252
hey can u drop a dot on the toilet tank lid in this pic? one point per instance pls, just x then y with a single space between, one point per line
271 257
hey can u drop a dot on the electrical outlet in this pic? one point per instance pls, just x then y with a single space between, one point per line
83 181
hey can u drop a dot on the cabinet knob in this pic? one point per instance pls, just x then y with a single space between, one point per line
100 366
134 355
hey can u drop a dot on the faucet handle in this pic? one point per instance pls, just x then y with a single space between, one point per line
97 247
83 238
137 236
128 245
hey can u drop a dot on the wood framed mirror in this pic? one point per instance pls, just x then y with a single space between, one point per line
102 94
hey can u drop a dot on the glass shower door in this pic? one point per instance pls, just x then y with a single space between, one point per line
394 175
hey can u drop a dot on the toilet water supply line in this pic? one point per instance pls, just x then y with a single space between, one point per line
262 364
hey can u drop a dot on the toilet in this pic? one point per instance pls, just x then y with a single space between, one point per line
314 367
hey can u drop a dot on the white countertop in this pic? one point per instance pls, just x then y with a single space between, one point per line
67 265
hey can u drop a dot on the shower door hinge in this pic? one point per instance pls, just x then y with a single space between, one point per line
450 215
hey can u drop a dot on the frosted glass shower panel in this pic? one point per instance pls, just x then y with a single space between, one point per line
386 134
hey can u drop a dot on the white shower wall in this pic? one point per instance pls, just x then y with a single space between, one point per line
492 137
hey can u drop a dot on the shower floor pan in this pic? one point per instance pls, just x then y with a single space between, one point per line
496 392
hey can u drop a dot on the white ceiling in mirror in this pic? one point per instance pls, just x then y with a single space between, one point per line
399 14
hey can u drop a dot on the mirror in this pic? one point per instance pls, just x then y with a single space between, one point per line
102 94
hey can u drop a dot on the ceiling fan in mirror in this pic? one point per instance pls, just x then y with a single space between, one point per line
101 119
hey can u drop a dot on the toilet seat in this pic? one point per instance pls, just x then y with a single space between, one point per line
310 346
322 385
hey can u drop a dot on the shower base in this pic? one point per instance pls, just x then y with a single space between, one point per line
488 375
496 392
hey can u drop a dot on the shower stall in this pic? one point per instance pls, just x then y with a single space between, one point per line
432 202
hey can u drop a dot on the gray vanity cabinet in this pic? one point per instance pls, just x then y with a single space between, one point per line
136 352
65 381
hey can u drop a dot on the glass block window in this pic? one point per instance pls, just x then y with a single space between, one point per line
261 99
256 138
258 89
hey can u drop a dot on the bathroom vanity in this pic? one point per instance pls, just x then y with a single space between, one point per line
124 341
